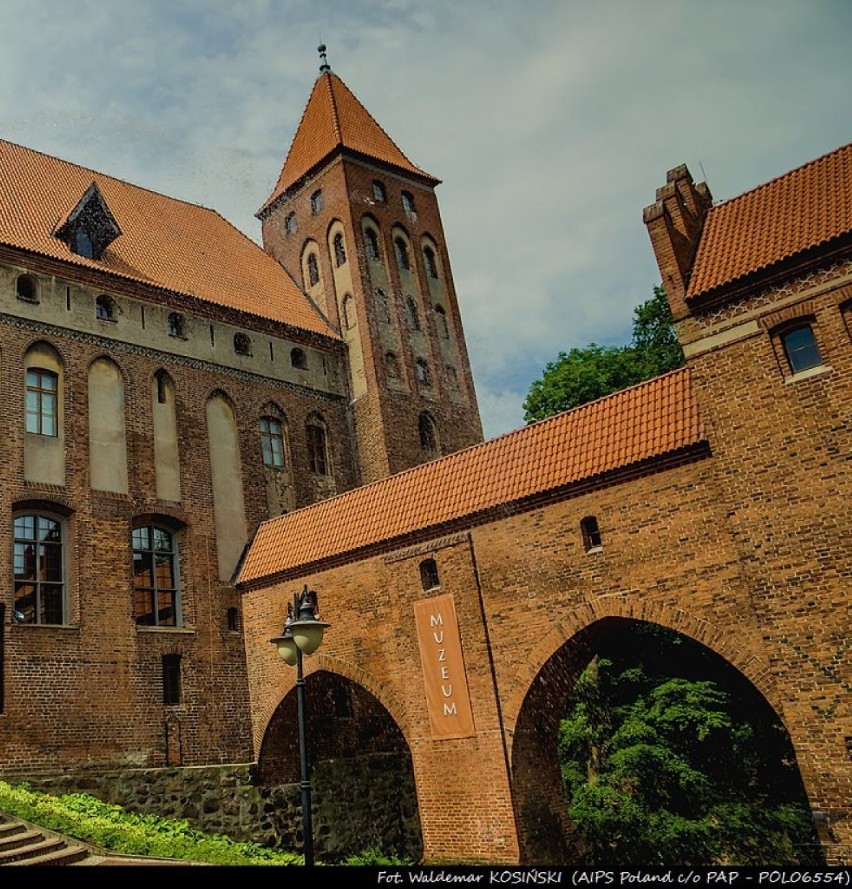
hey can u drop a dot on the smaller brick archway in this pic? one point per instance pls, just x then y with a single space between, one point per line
545 834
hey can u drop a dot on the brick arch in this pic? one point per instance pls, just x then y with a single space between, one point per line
313 664
726 644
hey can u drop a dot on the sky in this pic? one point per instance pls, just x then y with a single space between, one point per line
550 124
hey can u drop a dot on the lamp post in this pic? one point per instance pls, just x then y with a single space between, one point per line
302 634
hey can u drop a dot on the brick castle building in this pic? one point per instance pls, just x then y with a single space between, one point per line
198 427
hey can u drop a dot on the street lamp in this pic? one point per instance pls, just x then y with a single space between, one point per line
302 634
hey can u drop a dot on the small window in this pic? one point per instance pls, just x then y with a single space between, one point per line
42 402
339 250
372 241
39 569
316 201
171 679
242 344
349 317
441 322
391 366
382 305
155 577
298 359
379 193
591 534
431 262
313 269
317 446
408 203
402 253
429 574
162 380
291 226
452 377
428 436
233 620
105 308
412 314
25 287
176 325
800 347
272 441
423 372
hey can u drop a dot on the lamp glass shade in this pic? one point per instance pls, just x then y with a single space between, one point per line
287 649
307 634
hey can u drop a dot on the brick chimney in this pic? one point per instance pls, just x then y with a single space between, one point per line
674 224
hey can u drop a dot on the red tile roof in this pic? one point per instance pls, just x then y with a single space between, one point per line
805 208
641 423
164 242
332 119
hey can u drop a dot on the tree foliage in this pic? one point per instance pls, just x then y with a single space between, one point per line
665 770
582 375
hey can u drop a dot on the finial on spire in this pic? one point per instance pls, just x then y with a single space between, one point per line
324 66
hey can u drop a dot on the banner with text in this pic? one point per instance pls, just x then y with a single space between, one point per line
443 668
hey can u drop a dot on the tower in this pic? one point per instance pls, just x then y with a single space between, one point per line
358 225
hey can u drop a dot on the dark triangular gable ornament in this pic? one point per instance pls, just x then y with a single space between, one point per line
90 227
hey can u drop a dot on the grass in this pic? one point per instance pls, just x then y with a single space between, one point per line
112 828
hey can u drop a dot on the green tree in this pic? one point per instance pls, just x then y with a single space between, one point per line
666 770
584 374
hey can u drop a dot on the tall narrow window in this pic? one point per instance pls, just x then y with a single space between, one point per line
379 193
423 372
39 569
316 201
233 620
105 308
431 262
349 317
272 441
408 203
372 241
391 366
412 314
42 400
291 226
382 305
429 574
402 253
317 446
591 533
339 250
428 436
171 679
313 269
156 600
441 322
801 349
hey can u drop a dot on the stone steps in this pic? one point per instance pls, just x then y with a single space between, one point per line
22 843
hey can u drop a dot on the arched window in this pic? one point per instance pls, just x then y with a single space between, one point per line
316 201
298 359
317 445
272 441
176 325
591 533
339 250
401 253
291 226
156 592
105 308
42 402
379 193
408 203
431 262
412 314
428 435
25 287
441 322
423 372
429 574
800 347
313 269
382 305
242 344
391 366
349 317
372 241
39 568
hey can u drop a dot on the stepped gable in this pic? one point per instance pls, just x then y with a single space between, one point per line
334 119
163 242
650 420
808 207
